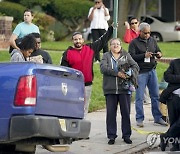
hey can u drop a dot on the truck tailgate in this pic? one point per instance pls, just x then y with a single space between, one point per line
57 92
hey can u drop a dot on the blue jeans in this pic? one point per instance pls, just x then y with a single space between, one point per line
148 79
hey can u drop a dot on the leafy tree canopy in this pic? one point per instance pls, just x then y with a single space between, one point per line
32 3
12 9
71 13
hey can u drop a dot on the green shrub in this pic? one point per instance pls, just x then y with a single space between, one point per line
73 9
12 9
32 3
44 21
59 30
71 13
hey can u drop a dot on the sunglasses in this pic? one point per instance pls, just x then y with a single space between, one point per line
97 2
133 23
145 33
38 42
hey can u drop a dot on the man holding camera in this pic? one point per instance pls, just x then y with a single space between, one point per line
144 50
99 15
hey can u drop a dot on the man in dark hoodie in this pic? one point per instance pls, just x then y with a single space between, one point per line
171 96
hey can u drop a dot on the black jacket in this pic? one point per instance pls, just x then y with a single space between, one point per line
172 76
137 49
44 54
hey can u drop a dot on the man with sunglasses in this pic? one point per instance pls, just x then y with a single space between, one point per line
132 30
144 50
98 15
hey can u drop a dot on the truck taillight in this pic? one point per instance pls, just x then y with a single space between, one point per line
26 91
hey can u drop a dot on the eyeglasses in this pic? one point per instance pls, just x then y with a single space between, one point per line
97 2
133 23
118 44
38 42
145 33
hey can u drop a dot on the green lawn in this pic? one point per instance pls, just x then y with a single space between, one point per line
97 100
170 49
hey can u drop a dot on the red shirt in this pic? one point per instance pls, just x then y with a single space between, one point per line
130 35
82 60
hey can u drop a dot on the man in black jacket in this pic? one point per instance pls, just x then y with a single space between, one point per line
171 96
143 50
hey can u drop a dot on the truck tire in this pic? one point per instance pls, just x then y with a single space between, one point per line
6 148
10 149
19 152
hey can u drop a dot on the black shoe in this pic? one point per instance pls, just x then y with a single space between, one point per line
163 142
127 140
175 147
111 141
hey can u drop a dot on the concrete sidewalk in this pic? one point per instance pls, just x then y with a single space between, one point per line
97 144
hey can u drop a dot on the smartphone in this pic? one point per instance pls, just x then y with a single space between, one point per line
155 54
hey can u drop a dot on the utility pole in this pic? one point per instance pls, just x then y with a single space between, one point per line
115 18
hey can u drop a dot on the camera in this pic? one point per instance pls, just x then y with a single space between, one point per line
155 54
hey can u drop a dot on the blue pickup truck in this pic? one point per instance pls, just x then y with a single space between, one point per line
40 104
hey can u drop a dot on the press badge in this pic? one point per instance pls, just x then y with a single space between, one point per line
147 60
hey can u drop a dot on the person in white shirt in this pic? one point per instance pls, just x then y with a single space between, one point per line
98 15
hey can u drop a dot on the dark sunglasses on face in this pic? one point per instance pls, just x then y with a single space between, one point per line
97 2
145 33
38 42
134 23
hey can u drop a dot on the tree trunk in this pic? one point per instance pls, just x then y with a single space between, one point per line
129 7
122 16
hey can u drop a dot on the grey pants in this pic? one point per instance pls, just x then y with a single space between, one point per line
88 90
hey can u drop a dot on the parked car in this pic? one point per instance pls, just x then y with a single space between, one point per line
160 29
87 34
40 104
